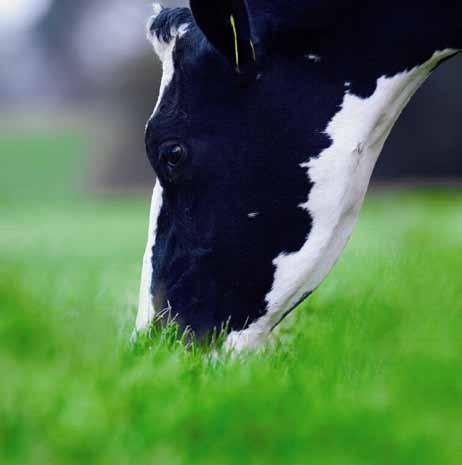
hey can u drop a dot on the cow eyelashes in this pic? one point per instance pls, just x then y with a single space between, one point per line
172 154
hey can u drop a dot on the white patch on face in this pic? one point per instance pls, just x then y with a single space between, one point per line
146 310
182 30
156 8
312 57
253 214
164 50
340 177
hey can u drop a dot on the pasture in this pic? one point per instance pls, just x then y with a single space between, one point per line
367 371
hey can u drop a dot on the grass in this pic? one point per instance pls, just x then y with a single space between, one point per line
368 371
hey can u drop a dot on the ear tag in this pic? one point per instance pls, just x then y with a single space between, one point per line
236 44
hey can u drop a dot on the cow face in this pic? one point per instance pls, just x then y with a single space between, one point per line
212 142
263 154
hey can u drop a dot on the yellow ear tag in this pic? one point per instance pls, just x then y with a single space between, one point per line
236 46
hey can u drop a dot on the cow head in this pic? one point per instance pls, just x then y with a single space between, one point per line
263 140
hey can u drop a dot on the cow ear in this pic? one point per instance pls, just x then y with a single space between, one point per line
226 25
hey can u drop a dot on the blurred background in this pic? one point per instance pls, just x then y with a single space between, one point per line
379 344
78 81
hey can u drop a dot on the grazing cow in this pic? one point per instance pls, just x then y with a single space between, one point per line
270 119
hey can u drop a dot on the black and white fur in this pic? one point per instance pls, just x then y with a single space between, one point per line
281 113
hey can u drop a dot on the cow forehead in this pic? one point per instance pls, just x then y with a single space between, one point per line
165 27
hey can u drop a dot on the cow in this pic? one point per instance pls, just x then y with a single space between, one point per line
270 118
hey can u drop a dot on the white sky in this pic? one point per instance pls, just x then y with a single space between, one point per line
19 15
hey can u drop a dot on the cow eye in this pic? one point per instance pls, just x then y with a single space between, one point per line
172 154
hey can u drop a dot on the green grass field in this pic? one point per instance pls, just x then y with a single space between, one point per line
368 371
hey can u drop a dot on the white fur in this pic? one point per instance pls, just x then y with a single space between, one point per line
146 309
164 51
340 177
156 8
312 57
